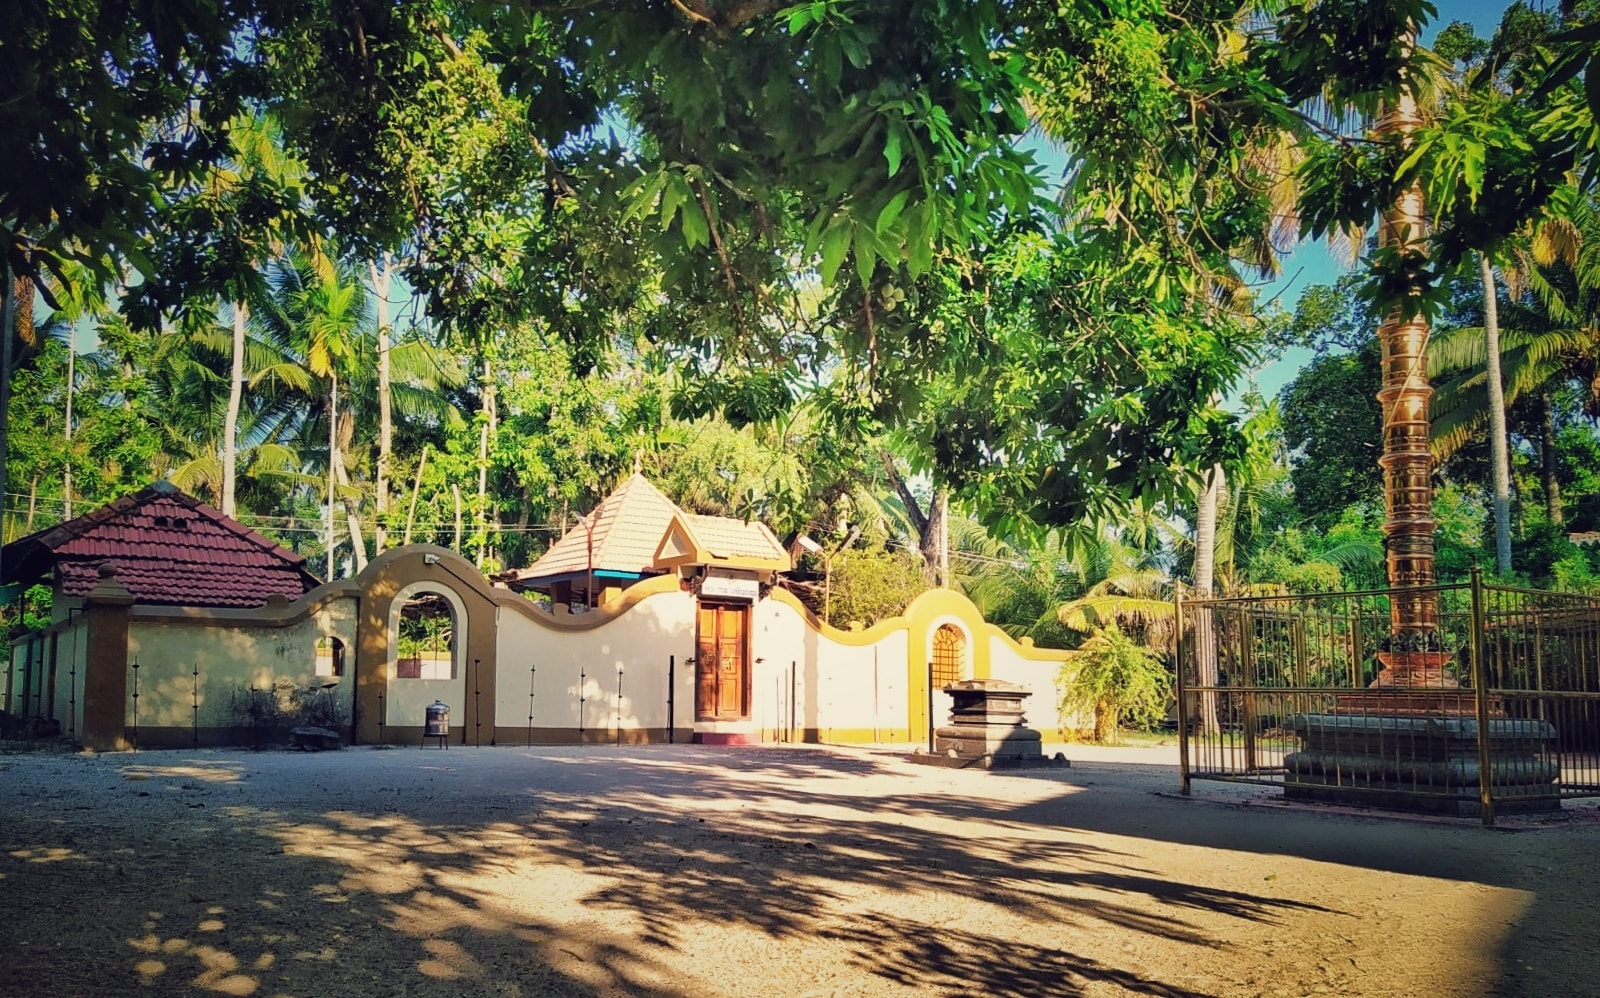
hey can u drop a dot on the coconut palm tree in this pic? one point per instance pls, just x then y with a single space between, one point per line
320 316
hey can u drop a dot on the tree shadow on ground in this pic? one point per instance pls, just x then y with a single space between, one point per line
599 871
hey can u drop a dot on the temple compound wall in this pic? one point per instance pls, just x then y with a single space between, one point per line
712 661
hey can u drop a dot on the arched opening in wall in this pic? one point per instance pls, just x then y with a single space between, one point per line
426 644
949 656
330 657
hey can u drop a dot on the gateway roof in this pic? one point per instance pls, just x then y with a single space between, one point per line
168 548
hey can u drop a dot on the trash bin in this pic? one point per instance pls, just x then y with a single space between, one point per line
436 723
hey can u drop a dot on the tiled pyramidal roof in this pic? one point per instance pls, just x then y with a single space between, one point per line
168 548
726 537
622 532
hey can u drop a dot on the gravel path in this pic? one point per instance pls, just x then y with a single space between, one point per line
679 870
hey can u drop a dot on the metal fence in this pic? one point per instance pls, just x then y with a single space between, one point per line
1277 690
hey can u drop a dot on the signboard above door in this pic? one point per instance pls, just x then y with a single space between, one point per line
727 587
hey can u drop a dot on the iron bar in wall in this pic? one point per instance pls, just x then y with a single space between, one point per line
136 705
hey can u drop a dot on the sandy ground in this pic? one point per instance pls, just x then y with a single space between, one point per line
699 871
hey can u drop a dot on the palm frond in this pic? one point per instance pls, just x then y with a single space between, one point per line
1086 614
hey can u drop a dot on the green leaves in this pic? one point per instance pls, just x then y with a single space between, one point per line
835 244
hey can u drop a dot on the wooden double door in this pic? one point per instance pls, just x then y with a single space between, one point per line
722 662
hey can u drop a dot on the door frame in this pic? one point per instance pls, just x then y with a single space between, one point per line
745 611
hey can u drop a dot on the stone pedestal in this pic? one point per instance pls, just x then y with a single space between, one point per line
1401 759
987 730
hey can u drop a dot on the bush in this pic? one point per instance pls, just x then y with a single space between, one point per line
1119 681
870 586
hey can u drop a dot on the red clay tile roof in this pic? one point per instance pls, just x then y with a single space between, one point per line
168 548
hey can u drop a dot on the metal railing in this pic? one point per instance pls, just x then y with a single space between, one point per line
1278 690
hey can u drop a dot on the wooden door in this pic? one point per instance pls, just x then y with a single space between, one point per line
722 665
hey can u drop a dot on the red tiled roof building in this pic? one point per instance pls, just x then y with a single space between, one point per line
168 548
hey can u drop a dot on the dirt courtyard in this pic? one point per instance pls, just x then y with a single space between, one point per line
678 870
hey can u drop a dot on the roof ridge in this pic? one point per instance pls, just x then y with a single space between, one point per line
58 535
626 496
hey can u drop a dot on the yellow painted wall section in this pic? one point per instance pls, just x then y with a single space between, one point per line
819 679
230 660
808 680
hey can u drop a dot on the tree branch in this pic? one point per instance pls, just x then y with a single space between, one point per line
919 520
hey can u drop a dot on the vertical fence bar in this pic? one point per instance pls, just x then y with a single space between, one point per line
1538 663
35 675
582 683
136 705
875 689
72 683
533 670
382 715
672 684
1183 689
1480 684
195 706
1252 679
477 711
619 704
793 732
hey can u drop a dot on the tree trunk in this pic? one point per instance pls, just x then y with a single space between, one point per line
66 472
936 545
1205 561
24 314
230 426
483 492
1105 722
931 527
333 459
416 488
352 515
456 489
8 314
380 288
1547 462
1499 449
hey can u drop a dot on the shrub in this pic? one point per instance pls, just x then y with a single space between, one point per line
1119 681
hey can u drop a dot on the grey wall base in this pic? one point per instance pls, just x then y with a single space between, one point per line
1421 763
